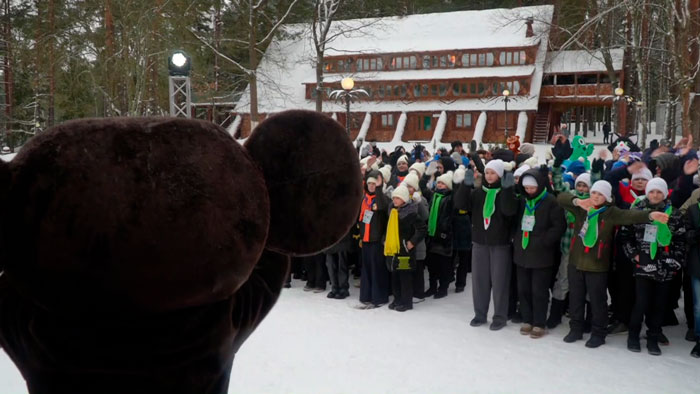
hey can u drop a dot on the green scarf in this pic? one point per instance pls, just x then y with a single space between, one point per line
489 204
530 208
591 236
663 235
434 210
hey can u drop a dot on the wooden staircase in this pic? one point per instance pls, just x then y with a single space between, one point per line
542 124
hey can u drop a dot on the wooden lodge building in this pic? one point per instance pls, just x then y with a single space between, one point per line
435 78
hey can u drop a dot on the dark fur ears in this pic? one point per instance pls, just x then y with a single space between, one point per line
313 179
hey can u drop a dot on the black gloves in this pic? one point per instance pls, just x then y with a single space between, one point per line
561 152
598 165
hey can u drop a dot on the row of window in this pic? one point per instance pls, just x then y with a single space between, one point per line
427 61
462 89
575 79
462 121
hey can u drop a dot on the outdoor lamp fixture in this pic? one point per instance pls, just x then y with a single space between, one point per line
348 93
619 92
347 83
506 94
179 64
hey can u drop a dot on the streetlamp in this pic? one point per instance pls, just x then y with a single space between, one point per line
348 93
506 94
620 95
179 66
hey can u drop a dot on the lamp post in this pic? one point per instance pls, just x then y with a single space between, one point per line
179 66
506 94
620 95
348 93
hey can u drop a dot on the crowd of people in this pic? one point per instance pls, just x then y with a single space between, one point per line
612 242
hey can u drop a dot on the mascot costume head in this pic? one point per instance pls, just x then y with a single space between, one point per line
138 254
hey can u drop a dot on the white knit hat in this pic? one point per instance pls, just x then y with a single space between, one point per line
643 174
402 193
604 188
411 180
497 166
520 171
375 165
403 159
386 173
584 178
657 184
371 180
530 180
446 178
419 168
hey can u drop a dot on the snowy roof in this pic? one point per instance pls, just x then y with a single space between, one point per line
451 73
581 61
289 60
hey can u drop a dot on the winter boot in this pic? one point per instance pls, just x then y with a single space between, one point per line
690 335
633 344
595 341
573 336
696 350
441 293
525 329
555 313
476 322
431 291
653 344
497 325
537 332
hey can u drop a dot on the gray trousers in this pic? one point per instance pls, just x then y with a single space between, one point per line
338 271
561 286
491 268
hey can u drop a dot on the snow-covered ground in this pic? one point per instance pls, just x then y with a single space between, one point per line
310 344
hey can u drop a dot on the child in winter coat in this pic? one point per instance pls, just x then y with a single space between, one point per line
493 206
440 233
405 229
374 286
595 221
412 183
542 224
657 251
561 283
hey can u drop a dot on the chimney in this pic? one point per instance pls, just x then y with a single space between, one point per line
529 32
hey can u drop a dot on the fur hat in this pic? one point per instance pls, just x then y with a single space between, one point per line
411 180
497 166
657 184
402 159
643 174
402 193
604 188
446 178
419 168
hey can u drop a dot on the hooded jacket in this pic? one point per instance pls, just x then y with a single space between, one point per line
378 203
550 224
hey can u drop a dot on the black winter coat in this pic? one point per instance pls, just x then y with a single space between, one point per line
550 224
692 220
413 227
377 226
441 242
499 232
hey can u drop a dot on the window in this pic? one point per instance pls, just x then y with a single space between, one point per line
402 91
380 92
516 87
464 89
472 60
387 120
489 59
416 91
565 79
455 89
482 59
396 91
495 89
436 62
426 61
443 90
433 90
463 121
366 64
359 65
427 123
522 58
604 78
373 64
548 80
509 57
465 60
425 91
397 63
587 79
502 58
482 88
472 88
443 61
